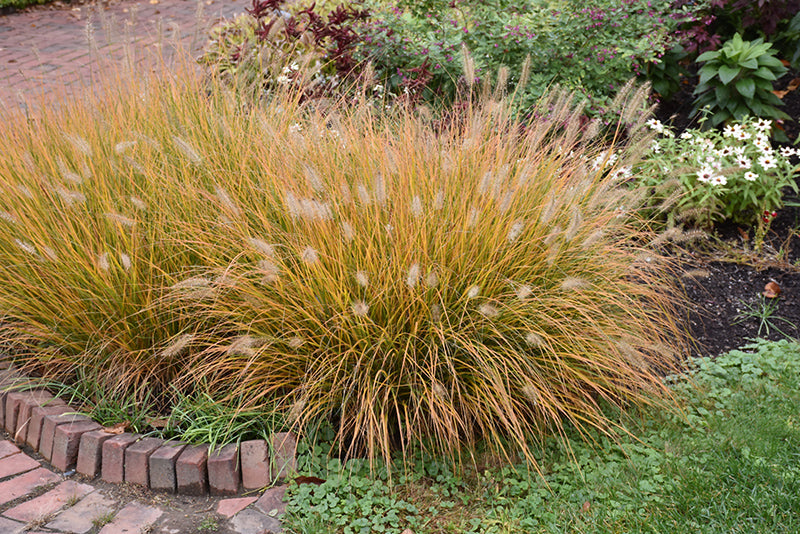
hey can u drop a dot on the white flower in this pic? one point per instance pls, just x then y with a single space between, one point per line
724 151
767 162
604 159
295 128
739 150
741 135
686 135
729 130
283 79
705 174
655 125
787 152
718 180
750 176
655 147
294 66
377 89
762 125
744 162
473 292
621 173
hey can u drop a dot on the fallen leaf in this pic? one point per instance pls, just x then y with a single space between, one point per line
119 428
793 85
157 422
743 233
772 290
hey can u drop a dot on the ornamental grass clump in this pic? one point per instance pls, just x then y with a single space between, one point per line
483 283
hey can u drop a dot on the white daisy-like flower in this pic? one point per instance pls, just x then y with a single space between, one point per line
724 151
604 159
718 180
686 135
741 135
787 152
705 174
729 130
744 162
655 125
750 176
767 162
283 79
739 150
621 173
762 125
655 147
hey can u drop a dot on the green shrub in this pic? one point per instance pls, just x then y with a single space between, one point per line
736 81
485 282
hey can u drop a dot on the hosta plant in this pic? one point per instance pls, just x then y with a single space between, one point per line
736 81
710 176
412 288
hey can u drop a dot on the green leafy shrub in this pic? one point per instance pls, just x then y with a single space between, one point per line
415 48
592 49
736 81
414 288
711 176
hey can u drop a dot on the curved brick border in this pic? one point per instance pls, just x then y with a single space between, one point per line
70 441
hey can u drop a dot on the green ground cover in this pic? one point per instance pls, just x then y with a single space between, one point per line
728 462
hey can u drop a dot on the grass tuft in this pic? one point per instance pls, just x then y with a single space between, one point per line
414 288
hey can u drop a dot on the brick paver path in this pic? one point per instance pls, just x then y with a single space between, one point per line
34 498
46 51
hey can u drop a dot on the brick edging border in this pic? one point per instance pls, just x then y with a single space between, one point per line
71 441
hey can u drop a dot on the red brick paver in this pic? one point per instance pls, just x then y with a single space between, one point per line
22 485
134 517
16 464
52 501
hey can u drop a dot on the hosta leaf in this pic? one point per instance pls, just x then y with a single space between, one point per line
728 73
746 87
